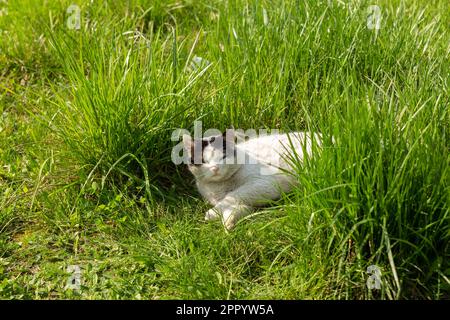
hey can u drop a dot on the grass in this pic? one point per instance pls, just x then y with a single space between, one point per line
85 142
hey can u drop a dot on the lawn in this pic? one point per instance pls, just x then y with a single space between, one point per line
92 91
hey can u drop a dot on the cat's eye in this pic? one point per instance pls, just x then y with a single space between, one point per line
212 139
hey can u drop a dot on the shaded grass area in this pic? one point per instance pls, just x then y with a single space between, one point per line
85 142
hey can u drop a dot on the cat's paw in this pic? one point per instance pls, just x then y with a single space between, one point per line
212 214
230 222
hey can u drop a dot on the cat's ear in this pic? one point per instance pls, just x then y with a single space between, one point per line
229 135
188 143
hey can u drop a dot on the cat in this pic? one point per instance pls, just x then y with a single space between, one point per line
236 176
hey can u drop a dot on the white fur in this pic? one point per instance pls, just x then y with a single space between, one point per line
236 189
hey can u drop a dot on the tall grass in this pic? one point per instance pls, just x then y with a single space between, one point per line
379 195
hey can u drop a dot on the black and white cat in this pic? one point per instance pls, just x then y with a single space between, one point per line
238 177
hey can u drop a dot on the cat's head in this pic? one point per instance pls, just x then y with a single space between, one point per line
211 158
